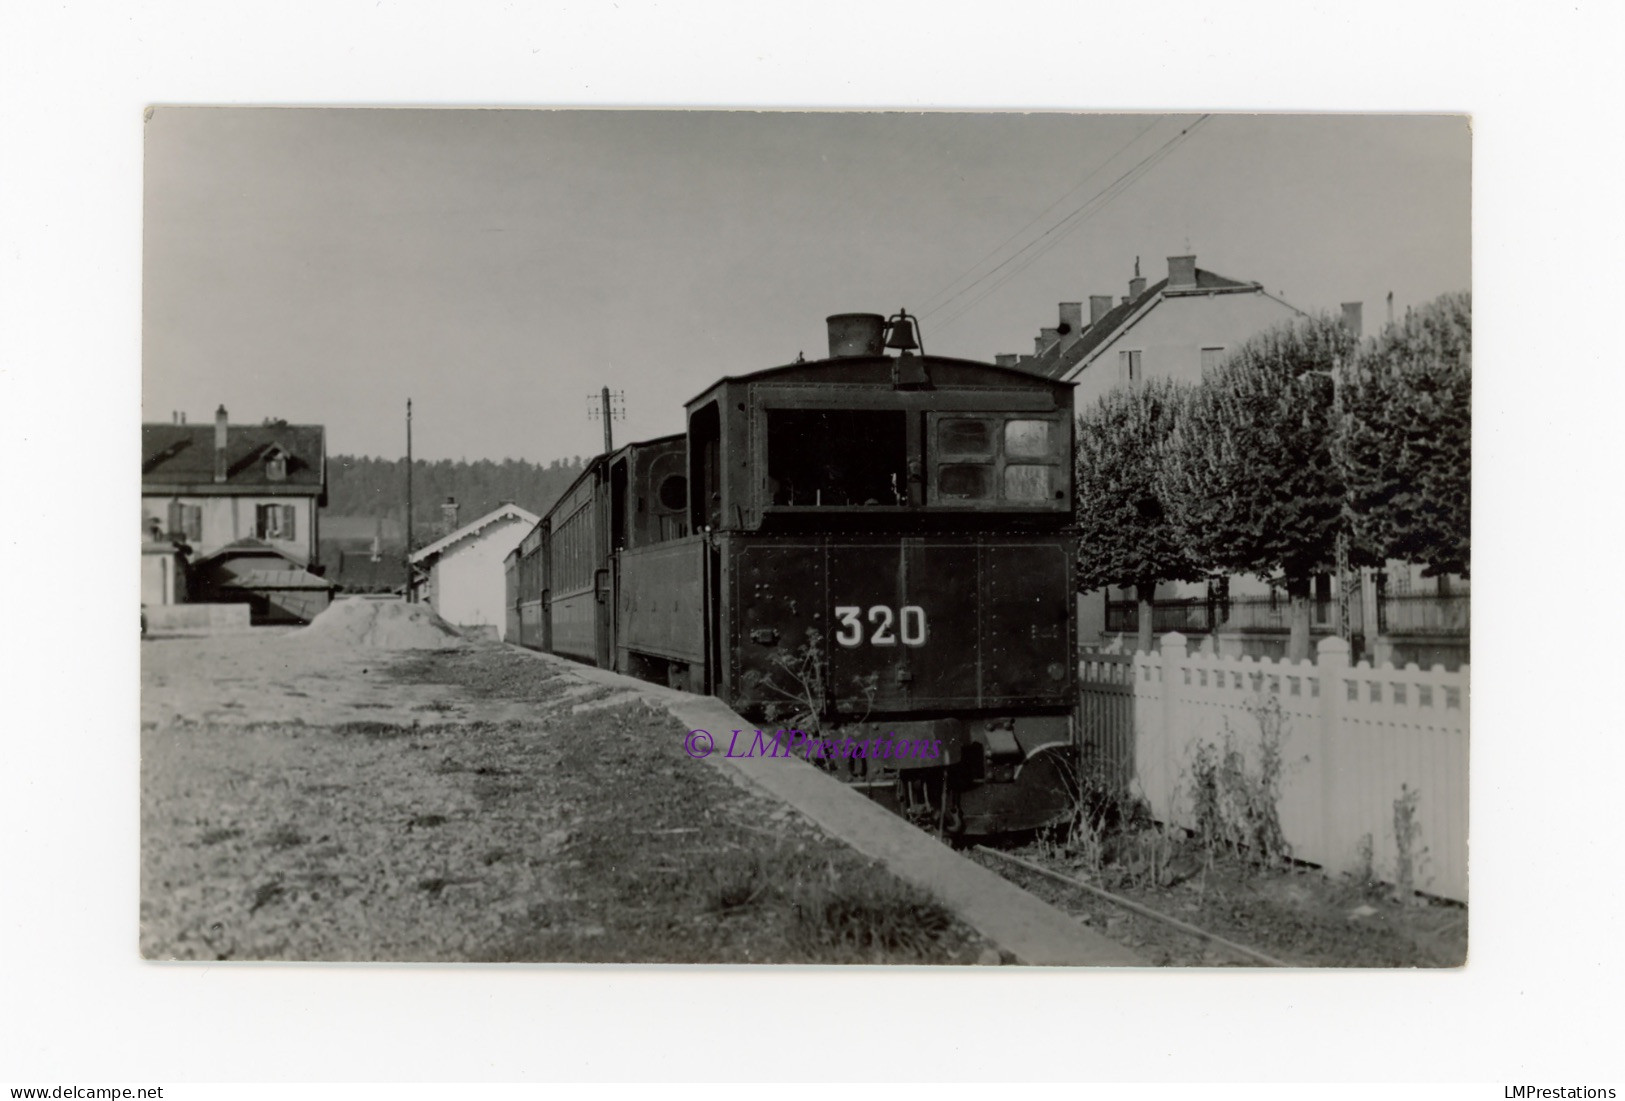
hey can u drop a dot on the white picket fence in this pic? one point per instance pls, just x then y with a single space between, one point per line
1354 741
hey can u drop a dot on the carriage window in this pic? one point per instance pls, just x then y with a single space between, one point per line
673 492
1026 483
965 482
1027 440
837 458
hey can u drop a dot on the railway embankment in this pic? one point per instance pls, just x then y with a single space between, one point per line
315 798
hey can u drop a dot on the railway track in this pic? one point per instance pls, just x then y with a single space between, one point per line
1251 955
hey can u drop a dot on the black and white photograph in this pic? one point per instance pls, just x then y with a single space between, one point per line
1038 547
611 536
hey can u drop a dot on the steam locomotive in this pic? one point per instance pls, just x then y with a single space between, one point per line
880 542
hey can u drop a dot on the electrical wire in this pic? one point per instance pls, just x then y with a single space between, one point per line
1066 226
930 304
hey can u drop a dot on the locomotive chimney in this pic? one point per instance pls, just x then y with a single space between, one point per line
220 444
855 334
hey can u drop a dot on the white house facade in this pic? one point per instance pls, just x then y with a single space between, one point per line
461 572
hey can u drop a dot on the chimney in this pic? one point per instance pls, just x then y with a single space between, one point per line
1136 286
1181 272
220 444
1071 326
1099 306
448 516
1126 300
1352 320
1045 340
1006 359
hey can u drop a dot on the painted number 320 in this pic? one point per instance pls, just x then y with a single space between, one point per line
907 626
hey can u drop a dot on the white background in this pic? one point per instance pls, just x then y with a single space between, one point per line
1536 1002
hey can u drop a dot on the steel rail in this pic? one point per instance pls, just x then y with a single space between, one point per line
1130 904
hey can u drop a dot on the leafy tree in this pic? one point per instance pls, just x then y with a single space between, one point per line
1126 537
1248 476
1404 445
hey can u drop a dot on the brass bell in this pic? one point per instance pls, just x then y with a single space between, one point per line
902 336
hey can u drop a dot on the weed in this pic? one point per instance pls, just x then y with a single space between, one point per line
1366 856
804 694
882 918
1407 834
284 837
1236 809
734 882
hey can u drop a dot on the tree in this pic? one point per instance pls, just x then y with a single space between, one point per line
1248 476
1125 536
1404 445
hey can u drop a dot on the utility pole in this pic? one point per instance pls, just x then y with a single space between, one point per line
409 500
607 406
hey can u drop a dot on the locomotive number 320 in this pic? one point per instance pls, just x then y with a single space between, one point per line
909 625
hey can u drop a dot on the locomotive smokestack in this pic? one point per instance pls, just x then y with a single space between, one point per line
855 334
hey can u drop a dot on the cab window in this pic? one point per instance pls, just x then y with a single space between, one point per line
837 458
1013 459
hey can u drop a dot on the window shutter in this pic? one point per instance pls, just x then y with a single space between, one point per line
1123 367
287 522
194 521
177 521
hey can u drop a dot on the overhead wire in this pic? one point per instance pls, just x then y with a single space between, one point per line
1066 226
929 306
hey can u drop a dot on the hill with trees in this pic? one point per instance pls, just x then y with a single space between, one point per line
365 486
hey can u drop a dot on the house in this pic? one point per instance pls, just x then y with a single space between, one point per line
241 502
276 587
461 574
1177 328
1173 328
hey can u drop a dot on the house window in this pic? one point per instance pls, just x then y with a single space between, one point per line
276 468
1212 357
274 521
1128 367
185 521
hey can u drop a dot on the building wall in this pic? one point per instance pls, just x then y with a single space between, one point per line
1173 333
229 518
466 585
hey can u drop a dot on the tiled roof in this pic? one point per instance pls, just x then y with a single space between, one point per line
1056 363
277 579
183 454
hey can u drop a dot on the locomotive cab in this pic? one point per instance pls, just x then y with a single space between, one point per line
893 541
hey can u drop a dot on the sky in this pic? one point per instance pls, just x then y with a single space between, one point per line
499 266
